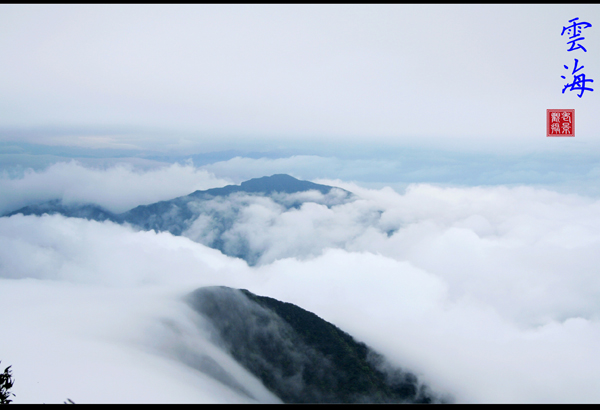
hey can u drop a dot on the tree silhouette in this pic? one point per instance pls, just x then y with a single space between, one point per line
6 383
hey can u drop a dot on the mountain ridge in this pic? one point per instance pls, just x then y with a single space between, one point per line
178 215
282 183
299 356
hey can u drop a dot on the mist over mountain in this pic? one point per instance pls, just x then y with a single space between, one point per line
299 356
178 215
56 206
487 293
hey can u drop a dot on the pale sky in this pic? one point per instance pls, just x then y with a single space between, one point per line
443 76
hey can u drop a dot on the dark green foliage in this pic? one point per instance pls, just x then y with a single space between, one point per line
300 357
6 383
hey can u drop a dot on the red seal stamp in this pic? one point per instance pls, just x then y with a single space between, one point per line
560 123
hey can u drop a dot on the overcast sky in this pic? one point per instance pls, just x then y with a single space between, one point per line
166 77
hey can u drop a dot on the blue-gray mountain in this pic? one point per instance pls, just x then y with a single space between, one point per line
220 207
300 357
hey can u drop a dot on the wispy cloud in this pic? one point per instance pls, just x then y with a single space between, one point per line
117 188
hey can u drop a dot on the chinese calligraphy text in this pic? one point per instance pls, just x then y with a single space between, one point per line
575 38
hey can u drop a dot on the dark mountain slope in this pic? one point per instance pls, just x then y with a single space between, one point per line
300 357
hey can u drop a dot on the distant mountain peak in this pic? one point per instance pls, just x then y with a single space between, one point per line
273 179
282 183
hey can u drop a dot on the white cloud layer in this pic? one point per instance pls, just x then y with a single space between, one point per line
117 188
490 294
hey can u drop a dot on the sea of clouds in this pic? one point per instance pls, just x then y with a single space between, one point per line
489 294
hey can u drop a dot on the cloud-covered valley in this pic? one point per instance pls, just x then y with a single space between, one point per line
116 188
490 294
